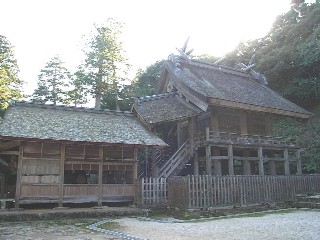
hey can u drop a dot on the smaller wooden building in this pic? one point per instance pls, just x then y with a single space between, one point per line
218 120
72 155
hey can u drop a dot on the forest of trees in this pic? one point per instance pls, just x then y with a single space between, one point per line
289 56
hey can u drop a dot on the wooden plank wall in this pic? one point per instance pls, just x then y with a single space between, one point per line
209 191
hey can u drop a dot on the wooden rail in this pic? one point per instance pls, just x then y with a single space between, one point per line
226 138
181 156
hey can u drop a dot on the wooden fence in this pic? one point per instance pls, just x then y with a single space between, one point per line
210 191
151 191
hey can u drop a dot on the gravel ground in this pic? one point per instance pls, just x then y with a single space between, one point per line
299 224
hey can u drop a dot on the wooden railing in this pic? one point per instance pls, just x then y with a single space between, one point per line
228 138
181 156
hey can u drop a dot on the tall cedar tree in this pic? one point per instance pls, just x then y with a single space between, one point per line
10 84
105 66
53 82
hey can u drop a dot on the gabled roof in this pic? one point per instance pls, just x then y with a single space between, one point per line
48 122
163 108
209 84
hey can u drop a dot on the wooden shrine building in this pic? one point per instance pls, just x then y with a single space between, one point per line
217 120
57 154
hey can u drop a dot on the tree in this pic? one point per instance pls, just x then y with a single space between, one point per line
105 66
53 81
289 55
146 82
10 84
78 93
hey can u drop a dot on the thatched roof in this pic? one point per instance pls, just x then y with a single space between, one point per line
164 108
220 86
47 122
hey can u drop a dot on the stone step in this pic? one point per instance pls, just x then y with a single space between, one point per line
307 205
313 199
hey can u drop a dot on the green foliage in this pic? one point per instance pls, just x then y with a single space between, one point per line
105 67
78 93
306 136
53 81
10 84
289 55
146 82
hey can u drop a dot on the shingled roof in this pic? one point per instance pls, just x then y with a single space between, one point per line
210 84
47 122
164 108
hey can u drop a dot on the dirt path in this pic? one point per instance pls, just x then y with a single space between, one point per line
299 224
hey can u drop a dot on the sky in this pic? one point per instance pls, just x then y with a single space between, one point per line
41 29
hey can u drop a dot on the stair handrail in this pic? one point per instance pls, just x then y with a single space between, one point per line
173 160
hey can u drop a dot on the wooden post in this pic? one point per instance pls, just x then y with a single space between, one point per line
215 122
208 160
243 123
268 125
135 164
272 168
179 140
246 164
217 163
260 156
191 123
19 173
208 154
286 162
100 191
2 180
196 164
230 162
61 183
154 163
299 167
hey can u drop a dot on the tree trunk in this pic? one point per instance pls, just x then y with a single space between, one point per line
98 101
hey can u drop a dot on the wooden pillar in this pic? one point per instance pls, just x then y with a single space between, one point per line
246 168
208 160
286 162
268 125
100 187
191 123
19 173
217 163
2 180
243 123
215 122
135 164
299 167
196 164
230 161
154 163
179 137
272 168
61 175
260 157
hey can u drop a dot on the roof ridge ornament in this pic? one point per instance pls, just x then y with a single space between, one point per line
259 77
184 55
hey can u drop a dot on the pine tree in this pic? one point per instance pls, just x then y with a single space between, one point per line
53 82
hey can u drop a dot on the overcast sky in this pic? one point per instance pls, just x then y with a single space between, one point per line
42 29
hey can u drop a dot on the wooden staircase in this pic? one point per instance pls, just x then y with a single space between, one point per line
177 162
